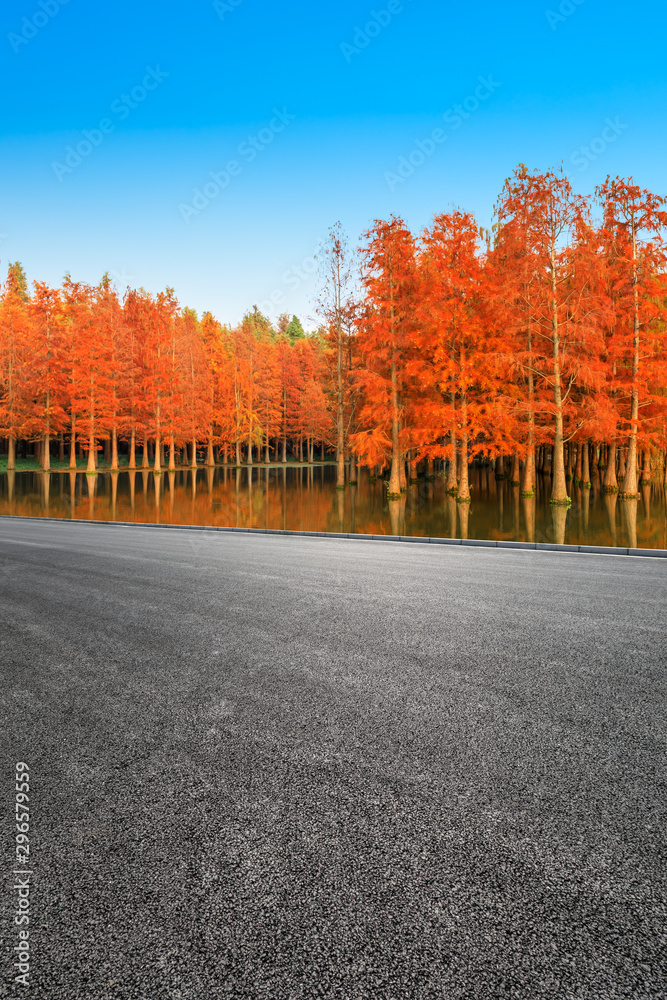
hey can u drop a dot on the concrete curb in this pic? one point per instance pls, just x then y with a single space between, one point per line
471 542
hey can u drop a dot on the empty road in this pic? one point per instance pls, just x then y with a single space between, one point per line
277 768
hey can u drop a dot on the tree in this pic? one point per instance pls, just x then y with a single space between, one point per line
634 223
294 330
555 219
389 276
44 377
451 363
14 341
334 302
109 324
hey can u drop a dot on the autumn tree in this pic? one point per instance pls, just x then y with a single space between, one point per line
451 362
44 378
335 302
389 275
634 222
14 341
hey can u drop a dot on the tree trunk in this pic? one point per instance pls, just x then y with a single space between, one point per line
646 469
132 457
11 454
172 454
403 479
210 457
72 446
114 450
451 485
193 459
585 466
464 488
528 474
594 459
394 489
157 464
620 475
630 481
558 487
340 408
610 484
578 467
528 471
516 470
45 453
144 460
92 451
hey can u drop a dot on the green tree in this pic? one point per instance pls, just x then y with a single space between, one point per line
295 330
17 281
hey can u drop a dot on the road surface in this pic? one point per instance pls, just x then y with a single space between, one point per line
278 768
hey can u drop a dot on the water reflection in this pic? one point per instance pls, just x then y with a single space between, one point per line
304 498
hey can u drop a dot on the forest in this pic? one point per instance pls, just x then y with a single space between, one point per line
540 344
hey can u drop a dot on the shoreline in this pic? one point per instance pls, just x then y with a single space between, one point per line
103 469
468 542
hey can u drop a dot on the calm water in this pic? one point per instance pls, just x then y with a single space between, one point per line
304 498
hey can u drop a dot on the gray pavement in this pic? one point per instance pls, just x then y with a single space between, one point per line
279 767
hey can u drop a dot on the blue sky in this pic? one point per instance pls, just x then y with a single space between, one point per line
209 146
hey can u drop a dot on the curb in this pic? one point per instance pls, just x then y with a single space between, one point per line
470 542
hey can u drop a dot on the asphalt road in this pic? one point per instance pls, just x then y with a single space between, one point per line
275 767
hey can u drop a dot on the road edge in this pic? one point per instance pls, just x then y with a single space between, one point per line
467 542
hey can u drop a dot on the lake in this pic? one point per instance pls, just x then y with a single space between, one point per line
304 498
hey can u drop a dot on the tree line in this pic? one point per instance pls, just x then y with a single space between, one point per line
541 344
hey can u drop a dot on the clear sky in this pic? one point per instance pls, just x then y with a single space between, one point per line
209 145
